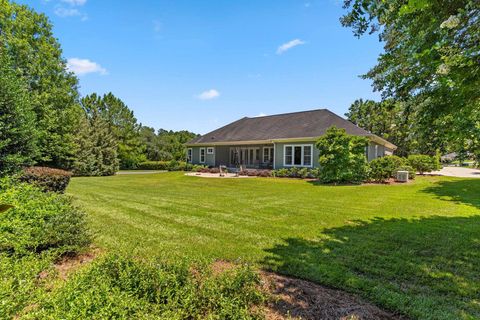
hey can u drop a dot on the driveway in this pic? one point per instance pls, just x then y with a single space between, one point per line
458 172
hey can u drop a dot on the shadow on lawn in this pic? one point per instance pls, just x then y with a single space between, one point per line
465 191
424 268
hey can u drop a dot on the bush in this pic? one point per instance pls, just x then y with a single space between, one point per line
48 179
294 172
342 157
424 163
39 221
384 168
116 287
172 165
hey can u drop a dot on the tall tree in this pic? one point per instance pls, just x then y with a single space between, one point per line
17 130
97 145
36 56
166 145
431 59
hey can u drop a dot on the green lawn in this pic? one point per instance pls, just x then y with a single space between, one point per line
411 248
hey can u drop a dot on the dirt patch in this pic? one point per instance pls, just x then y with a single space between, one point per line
292 298
68 264
300 299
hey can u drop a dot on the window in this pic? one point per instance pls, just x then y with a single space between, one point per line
267 155
189 155
298 155
288 155
307 156
210 150
202 155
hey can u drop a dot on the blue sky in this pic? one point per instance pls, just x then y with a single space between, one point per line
198 65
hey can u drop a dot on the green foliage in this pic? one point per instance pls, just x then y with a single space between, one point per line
166 145
424 163
48 179
39 221
430 64
302 173
97 146
17 120
387 120
342 157
36 56
167 165
123 126
21 285
384 168
125 288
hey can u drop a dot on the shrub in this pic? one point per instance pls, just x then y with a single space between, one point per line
48 179
39 220
125 288
172 165
424 163
342 157
294 172
384 168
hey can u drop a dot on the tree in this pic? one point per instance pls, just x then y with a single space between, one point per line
97 146
17 129
166 145
123 126
431 61
36 56
342 156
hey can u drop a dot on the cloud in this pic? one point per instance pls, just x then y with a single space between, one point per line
66 12
289 45
261 114
84 66
209 94
75 2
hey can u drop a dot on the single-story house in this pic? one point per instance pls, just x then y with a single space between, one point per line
276 141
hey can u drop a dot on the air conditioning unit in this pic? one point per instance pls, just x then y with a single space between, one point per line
402 176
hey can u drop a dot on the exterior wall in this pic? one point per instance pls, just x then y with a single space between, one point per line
373 153
279 149
221 155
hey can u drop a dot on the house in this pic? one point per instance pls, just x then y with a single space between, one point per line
277 141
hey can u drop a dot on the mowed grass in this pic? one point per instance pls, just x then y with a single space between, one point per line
412 248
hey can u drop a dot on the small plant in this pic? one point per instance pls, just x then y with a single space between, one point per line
49 179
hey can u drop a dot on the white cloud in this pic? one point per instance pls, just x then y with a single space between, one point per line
209 94
261 114
66 12
289 45
75 2
84 66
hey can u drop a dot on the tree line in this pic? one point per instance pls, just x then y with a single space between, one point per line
43 119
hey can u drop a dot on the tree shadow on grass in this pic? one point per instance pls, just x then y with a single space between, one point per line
465 191
427 268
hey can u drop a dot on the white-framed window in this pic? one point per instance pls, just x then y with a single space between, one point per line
202 155
189 154
210 150
267 154
298 155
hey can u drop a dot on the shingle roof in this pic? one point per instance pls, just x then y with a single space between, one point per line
303 124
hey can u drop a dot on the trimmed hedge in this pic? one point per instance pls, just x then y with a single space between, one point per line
384 168
48 179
